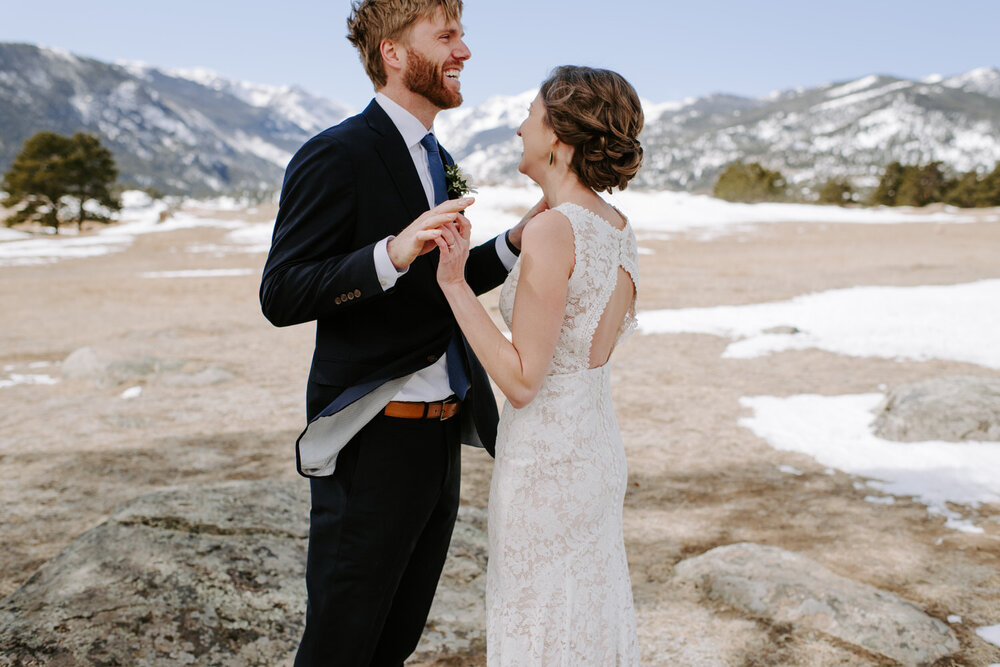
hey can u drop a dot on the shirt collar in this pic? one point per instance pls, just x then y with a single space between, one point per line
411 129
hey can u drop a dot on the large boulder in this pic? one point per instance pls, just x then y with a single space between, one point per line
784 587
952 409
205 575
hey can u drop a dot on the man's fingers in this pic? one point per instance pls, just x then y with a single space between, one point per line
455 205
428 235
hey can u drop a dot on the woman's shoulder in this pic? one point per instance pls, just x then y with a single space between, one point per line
548 234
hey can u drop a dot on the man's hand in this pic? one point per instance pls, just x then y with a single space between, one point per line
514 235
421 234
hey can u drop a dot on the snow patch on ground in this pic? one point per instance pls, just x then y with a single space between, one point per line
667 214
836 431
956 322
990 633
15 379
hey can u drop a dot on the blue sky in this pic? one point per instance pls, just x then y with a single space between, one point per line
669 50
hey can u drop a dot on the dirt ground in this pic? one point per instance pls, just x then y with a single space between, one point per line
72 451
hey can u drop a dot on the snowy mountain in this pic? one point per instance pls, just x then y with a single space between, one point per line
849 129
192 132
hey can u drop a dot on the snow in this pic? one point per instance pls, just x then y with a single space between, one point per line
140 215
853 86
836 431
859 97
659 214
990 633
15 379
131 392
954 322
7 234
954 618
653 215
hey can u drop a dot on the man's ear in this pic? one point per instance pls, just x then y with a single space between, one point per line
393 55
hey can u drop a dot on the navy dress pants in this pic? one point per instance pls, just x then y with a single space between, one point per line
378 536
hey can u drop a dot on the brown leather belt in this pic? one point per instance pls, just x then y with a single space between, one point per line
440 410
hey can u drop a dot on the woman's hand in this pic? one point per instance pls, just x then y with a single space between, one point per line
514 235
422 234
454 245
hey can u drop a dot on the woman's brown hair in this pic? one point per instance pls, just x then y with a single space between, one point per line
598 113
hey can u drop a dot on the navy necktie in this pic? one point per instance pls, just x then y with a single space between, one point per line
430 144
456 372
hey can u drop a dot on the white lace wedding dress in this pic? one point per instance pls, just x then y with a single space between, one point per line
557 584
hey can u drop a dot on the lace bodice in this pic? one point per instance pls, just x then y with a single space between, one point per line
599 250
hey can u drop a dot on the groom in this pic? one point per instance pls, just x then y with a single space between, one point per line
393 387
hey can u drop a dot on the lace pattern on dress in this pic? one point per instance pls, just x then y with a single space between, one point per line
558 591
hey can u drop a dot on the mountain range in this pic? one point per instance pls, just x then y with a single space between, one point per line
178 131
194 132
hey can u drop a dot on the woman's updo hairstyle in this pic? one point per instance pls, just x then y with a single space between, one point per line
598 113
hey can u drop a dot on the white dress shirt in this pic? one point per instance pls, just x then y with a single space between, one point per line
430 383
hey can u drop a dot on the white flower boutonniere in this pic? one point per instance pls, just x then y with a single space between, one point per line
458 184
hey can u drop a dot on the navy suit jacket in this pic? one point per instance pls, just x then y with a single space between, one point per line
346 189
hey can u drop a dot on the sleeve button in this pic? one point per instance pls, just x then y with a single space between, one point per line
337 301
357 293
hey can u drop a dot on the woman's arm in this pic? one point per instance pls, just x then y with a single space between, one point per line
518 366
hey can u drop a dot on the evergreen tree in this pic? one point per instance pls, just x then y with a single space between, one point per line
52 169
749 183
90 174
964 191
921 185
836 191
888 186
989 188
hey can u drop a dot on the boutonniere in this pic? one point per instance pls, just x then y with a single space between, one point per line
458 184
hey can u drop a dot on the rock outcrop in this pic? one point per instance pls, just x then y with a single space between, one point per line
207 575
783 587
952 409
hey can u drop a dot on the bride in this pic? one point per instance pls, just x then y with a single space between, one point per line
558 590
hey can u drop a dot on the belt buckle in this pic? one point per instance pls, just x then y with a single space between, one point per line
441 416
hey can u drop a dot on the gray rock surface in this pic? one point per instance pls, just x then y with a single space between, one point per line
194 576
951 409
783 587
206 575
457 620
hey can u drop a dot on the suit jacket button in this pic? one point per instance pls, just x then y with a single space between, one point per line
357 293
350 296
431 358
337 301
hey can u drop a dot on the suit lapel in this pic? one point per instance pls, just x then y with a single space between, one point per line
396 158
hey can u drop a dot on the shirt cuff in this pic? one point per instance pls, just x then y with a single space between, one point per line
386 271
504 252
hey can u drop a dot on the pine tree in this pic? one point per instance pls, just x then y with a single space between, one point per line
964 191
921 185
888 186
91 172
749 183
52 169
836 191
989 188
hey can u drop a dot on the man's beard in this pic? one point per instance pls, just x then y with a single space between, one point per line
422 77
